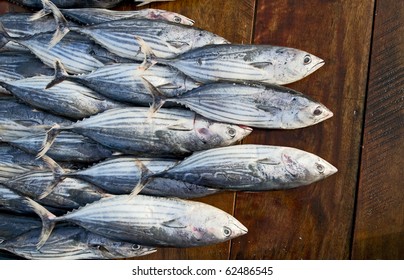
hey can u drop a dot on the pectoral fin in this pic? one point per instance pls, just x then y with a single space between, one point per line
174 223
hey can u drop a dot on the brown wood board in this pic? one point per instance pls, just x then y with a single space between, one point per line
379 227
313 222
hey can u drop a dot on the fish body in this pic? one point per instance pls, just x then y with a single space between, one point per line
70 3
69 193
124 82
154 221
12 226
244 63
121 174
91 16
168 132
251 168
256 106
73 243
66 99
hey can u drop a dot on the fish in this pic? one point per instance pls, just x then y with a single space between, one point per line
119 175
12 225
69 3
89 16
66 99
123 82
264 64
150 221
72 243
168 39
250 168
274 106
168 132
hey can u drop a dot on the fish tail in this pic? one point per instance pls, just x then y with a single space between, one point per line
149 57
50 137
62 25
60 75
158 98
145 177
48 221
58 174
4 37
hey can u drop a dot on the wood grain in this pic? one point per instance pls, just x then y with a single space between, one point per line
379 227
313 222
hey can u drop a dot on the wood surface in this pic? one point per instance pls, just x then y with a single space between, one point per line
320 221
379 227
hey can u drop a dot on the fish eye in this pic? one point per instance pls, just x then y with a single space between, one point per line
320 168
135 247
307 59
231 131
177 19
226 231
317 112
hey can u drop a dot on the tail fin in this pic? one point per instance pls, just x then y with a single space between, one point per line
47 218
158 98
51 135
60 75
62 25
4 37
58 173
145 177
149 57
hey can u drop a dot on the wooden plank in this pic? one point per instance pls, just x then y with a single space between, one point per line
313 222
379 227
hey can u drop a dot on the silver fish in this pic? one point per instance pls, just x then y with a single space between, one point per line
121 174
251 168
95 16
239 63
255 106
151 221
73 243
12 226
66 99
168 132
49 190
168 39
123 82
70 3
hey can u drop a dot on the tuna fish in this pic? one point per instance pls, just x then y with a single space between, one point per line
239 63
90 16
73 243
66 99
123 82
168 39
251 168
168 132
256 106
12 226
151 221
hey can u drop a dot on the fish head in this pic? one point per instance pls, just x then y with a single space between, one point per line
170 16
306 63
304 112
204 38
211 225
113 249
217 134
306 168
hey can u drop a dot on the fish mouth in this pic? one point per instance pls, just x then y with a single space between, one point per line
316 66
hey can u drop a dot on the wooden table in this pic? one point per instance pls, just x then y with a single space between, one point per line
359 212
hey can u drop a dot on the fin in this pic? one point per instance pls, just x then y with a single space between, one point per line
149 56
273 110
174 223
4 37
267 161
158 98
60 75
181 126
177 44
42 13
145 177
51 135
62 24
47 221
261 65
58 173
